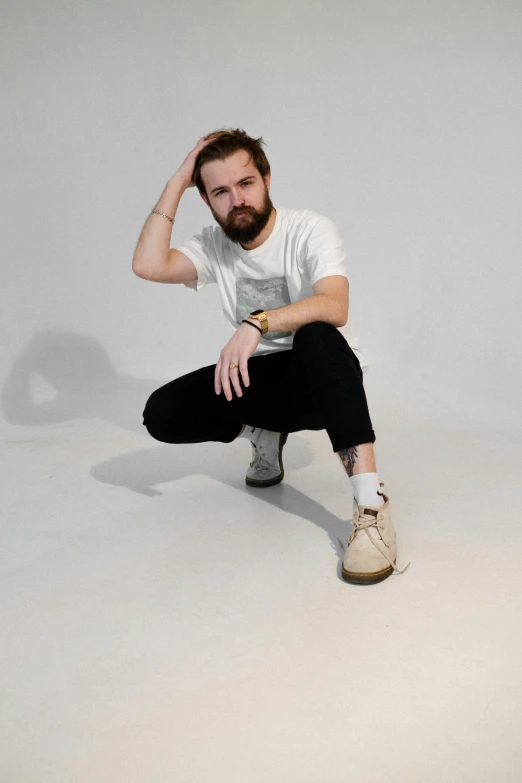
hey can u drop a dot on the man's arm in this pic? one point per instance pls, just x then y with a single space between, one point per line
153 259
329 303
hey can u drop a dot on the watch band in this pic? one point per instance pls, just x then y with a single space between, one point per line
261 316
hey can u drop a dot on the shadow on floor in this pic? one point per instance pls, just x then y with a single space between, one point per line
139 471
77 380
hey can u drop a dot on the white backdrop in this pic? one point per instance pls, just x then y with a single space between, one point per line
401 121
148 598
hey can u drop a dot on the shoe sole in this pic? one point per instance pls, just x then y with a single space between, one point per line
276 479
366 579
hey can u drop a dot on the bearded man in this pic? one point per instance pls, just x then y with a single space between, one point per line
284 291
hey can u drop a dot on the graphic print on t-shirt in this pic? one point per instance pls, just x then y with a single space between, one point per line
265 294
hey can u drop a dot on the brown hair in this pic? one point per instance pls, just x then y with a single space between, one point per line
227 142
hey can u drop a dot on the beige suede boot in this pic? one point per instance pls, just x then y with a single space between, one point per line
371 552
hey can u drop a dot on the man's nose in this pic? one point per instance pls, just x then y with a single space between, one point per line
238 198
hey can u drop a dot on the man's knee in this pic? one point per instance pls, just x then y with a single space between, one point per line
160 409
316 330
151 410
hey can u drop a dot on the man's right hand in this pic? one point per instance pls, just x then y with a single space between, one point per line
184 175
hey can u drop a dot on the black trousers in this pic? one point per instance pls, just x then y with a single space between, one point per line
315 385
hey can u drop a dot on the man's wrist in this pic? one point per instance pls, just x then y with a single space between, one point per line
257 323
253 322
260 317
174 183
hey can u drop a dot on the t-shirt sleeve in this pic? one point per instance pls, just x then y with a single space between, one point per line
200 250
323 252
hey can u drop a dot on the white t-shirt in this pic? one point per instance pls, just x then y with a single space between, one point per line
302 248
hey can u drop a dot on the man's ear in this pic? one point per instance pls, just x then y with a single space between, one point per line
267 180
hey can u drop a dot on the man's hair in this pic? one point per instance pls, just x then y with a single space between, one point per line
228 142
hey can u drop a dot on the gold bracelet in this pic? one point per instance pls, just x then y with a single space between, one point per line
155 212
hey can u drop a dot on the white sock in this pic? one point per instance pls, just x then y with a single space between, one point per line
250 433
365 488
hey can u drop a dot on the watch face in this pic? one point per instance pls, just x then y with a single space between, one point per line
256 312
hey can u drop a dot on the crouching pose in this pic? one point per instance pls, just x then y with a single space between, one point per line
287 367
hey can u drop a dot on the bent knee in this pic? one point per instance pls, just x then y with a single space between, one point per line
151 412
162 406
315 329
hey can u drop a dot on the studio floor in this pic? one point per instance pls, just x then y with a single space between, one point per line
161 621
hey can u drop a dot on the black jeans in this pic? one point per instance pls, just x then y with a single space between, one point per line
317 384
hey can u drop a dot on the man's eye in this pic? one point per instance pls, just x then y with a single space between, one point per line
247 183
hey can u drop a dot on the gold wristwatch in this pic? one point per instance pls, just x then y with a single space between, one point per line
260 315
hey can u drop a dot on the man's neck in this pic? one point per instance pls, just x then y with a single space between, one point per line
265 233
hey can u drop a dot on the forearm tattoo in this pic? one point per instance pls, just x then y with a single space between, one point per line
348 458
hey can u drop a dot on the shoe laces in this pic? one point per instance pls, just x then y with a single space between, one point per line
260 461
365 522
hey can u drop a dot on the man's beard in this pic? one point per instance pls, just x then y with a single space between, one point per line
245 229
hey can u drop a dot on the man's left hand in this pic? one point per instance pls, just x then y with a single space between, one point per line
239 349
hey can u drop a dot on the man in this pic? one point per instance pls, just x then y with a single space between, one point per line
284 290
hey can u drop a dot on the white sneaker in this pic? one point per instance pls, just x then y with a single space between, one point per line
266 467
371 553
